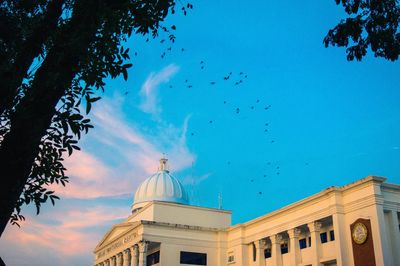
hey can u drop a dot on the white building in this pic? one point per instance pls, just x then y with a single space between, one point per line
357 224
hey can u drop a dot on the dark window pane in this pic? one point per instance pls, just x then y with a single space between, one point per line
284 248
267 253
153 258
302 243
309 241
254 252
193 258
324 237
332 235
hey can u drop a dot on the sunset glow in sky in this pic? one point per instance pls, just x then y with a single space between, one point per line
302 120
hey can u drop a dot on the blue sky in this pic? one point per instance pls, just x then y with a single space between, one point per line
330 122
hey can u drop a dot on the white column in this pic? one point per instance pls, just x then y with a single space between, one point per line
276 256
395 235
294 249
119 259
142 252
379 236
127 256
315 228
113 261
260 247
342 249
134 255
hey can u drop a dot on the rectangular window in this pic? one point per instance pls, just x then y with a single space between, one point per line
332 235
324 237
231 258
303 243
284 248
309 241
193 258
153 258
267 253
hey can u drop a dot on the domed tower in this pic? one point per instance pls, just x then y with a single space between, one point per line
161 186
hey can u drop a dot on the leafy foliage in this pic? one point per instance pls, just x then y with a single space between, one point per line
371 23
105 57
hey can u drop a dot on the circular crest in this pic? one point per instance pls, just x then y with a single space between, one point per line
359 233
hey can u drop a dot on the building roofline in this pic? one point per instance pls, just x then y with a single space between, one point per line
318 195
192 206
154 202
180 226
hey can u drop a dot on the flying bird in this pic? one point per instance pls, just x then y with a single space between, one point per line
212 82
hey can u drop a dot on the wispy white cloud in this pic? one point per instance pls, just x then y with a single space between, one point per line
195 180
149 90
133 151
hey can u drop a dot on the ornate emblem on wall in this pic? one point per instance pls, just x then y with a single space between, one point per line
359 233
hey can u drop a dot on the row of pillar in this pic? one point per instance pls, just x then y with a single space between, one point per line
294 248
132 256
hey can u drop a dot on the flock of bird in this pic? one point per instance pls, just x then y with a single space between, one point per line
235 79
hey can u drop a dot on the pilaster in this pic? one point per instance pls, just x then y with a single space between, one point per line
276 256
134 255
143 245
127 257
119 259
395 234
294 249
260 247
315 228
113 261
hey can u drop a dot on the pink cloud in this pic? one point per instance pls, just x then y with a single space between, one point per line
66 235
135 154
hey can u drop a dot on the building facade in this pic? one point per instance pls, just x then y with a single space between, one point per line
357 224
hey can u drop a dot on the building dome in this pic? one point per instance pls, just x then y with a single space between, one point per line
161 186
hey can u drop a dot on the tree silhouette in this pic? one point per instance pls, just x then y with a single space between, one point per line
371 23
55 55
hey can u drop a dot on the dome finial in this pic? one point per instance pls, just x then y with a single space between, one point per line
163 164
